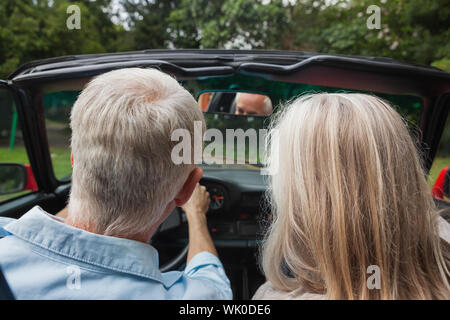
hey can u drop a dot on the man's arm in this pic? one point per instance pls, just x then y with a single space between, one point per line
196 209
202 260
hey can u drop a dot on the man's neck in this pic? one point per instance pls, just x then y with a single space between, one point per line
141 237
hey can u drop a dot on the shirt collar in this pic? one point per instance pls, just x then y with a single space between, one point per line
123 255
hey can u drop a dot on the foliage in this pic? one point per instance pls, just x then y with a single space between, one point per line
443 64
409 30
36 29
149 22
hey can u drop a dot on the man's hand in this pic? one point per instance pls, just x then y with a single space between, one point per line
196 208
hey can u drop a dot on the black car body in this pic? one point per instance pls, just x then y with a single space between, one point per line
237 226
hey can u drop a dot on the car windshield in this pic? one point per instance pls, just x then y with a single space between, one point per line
242 145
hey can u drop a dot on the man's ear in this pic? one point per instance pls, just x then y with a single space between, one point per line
71 158
186 191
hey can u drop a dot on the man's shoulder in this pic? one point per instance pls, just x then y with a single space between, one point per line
3 222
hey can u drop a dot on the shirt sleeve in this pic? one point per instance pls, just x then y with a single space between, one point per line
207 267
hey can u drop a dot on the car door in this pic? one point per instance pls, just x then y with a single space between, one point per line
439 174
19 159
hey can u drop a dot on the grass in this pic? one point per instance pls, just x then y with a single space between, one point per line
60 160
17 155
438 164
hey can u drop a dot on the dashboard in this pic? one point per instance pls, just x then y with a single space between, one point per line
236 213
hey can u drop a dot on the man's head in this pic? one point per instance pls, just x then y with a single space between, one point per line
253 104
123 179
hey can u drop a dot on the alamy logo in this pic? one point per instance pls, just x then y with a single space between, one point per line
74 20
374 20
374 280
74 277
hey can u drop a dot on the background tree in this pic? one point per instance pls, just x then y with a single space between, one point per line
36 29
149 21
230 23
410 30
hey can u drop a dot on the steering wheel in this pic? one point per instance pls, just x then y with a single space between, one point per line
177 261
174 220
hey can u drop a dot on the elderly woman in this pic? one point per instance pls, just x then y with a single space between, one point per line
352 213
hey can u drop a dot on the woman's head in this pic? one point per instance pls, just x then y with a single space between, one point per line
350 192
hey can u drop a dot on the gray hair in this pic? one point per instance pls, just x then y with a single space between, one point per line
123 176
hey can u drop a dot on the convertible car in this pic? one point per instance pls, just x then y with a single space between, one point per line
36 99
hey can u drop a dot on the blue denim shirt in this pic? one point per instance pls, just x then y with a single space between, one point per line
43 258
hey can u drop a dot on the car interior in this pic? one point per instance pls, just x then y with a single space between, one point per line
42 95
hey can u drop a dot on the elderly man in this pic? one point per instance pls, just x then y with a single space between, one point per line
253 104
124 185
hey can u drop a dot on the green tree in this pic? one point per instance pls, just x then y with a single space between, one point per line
149 22
231 23
36 29
409 31
111 37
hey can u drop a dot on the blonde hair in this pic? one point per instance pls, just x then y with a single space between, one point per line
350 192
123 175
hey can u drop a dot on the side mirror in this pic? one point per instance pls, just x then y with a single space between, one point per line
13 178
441 187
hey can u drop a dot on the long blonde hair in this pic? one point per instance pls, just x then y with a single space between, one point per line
350 192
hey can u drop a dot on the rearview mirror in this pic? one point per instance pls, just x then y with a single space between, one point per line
239 103
13 178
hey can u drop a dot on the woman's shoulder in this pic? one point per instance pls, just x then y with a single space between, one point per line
444 229
268 292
